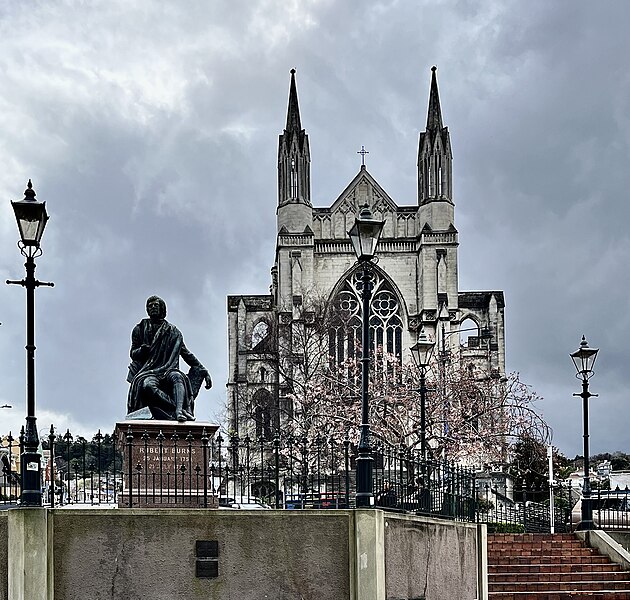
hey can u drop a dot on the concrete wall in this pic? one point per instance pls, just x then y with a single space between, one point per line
4 541
607 545
429 559
621 537
134 554
121 554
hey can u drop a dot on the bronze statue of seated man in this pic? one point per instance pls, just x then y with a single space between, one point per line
154 375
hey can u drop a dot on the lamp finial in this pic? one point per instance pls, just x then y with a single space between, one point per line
29 192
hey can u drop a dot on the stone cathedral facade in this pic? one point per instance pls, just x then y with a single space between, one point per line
416 281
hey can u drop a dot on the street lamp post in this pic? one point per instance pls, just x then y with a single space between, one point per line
584 360
31 219
364 236
422 352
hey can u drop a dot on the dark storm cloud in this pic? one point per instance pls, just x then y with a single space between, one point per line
152 133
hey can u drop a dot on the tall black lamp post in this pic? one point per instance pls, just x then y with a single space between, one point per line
422 351
31 219
364 236
584 360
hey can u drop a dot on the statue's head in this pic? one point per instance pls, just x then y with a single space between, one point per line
156 307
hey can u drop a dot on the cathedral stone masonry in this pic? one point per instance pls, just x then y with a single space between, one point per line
416 274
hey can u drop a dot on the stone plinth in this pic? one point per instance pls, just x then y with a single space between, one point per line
163 464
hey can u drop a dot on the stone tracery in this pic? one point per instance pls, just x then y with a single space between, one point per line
385 321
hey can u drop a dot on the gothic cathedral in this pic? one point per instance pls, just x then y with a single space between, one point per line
415 283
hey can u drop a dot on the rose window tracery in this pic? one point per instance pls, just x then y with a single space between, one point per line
385 323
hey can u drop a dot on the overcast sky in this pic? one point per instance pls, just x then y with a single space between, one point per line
151 130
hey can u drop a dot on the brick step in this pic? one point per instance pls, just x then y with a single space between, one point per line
546 552
548 560
557 577
568 586
545 547
546 567
544 544
514 546
555 568
560 595
531 537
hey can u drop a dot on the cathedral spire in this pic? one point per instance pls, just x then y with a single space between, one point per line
434 153
293 111
434 116
294 160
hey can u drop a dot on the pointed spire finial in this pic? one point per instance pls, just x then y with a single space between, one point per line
434 115
29 192
293 112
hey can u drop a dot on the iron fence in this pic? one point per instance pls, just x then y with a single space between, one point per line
9 478
301 472
611 508
136 469
532 512
527 510
286 472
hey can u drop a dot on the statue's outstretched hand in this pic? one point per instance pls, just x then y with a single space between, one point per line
208 380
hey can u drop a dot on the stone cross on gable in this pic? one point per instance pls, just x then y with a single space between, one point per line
363 152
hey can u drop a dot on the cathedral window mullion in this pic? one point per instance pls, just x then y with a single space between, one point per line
385 326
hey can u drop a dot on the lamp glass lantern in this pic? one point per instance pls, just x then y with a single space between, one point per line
365 234
31 217
422 350
584 359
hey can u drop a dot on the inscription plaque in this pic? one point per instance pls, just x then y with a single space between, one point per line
163 463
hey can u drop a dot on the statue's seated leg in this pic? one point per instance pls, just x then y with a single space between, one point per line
178 383
160 403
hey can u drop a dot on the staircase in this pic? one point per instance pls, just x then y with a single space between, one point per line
551 567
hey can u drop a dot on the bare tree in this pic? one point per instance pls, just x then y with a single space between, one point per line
472 415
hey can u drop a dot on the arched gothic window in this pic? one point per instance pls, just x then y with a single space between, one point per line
294 179
472 408
262 414
469 333
344 338
259 333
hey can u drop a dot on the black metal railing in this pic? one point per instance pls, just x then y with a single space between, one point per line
136 469
286 472
611 508
297 473
10 453
527 510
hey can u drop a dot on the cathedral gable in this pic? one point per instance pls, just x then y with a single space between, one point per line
335 221
361 190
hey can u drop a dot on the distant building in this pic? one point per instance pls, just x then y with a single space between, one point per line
494 486
619 479
603 469
416 275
